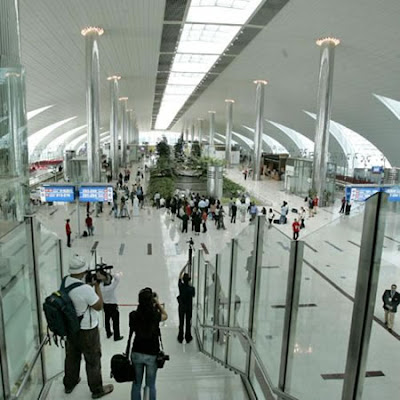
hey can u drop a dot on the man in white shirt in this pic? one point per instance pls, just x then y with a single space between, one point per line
110 305
87 302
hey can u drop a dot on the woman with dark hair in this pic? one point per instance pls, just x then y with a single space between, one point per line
144 322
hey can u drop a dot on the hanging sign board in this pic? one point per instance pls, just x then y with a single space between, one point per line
57 193
362 193
95 193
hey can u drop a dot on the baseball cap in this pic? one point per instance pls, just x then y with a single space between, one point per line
77 264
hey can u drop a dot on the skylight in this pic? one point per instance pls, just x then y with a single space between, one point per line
273 144
64 137
210 28
193 62
391 104
222 11
33 113
35 138
206 39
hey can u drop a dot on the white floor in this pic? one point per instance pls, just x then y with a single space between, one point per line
322 331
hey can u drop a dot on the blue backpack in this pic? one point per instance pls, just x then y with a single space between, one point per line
60 312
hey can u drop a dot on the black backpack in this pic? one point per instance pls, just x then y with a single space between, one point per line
60 312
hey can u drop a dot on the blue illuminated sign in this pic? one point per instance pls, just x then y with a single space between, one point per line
362 193
95 193
377 170
57 193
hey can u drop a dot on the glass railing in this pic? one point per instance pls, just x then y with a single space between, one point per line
289 315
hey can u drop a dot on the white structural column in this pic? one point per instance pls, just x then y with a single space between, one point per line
228 132
260 88
187 134
91 35
129 114
324 105
123 101
211 115
13 129
192 132
200 130
114 124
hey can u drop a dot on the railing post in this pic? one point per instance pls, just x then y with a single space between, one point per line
231 295
204 300
216 298
291 309
197 286
3 353
255 282
60 259
365 297
33 245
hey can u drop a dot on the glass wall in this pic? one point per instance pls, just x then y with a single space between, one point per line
280 312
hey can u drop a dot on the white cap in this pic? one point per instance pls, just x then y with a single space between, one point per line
77 265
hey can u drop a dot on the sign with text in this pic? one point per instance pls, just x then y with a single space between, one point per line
59 193
362 193
88 193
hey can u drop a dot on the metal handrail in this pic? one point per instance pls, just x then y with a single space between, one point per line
29 371
241 331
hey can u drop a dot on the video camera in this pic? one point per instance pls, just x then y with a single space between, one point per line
102 268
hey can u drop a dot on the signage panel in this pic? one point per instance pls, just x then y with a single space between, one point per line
362 193
95 193
57 193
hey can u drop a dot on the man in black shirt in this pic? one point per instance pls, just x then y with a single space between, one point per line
185 300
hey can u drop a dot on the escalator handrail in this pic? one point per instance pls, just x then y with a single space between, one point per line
244 334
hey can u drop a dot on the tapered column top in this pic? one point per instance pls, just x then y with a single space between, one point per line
229 101
123 99
92 29
328 40
257 81
114 78
212 112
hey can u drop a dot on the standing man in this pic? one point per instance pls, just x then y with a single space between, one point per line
185 300
341 211
233 213
284 212
296 229
110 304
68 232
87 301
391 299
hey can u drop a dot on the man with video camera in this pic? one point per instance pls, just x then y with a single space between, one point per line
87 301
185 300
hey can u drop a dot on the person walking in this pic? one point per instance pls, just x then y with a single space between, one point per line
302 216
68 232
296 229
284 212
233 213
310 207
89 224
144 322
197 218
391 299
204 220
221 214
87 302
185 301
270 216
253 212
185 219
315 204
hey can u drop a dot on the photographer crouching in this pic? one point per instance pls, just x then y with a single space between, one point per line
144 322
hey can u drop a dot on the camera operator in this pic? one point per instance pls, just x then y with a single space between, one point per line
87 301
146 346
108 286
185 300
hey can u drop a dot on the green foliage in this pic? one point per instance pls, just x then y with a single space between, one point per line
178 148
162 147
196 151
164 185
231 188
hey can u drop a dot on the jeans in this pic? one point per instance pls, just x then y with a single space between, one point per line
140 361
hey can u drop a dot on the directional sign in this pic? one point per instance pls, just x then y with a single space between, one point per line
95 193
363 193
57 193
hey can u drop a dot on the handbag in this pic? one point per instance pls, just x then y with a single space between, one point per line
122 369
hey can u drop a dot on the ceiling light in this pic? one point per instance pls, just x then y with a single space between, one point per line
260 81
123 98
114 77
229 101
92 29
330 40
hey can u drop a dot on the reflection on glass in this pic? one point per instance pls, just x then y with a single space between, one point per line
19 306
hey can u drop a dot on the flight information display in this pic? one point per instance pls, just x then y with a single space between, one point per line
96 193
57 193
362 193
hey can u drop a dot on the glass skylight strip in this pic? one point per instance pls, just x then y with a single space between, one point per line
193 62
222 11
391 104
206 39
33 113
179 89
182 78
64 137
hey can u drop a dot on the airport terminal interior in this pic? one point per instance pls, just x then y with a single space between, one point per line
268 128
